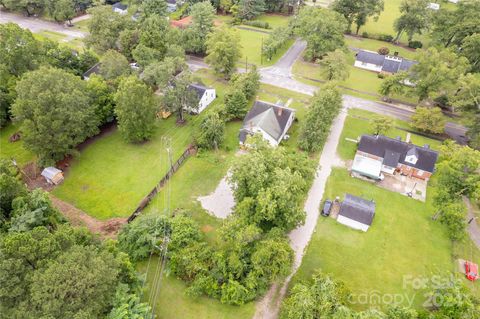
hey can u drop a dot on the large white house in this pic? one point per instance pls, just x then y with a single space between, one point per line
373 61
356 212
205 96
272 121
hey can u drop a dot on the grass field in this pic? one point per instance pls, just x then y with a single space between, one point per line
374 45
13 150
357 124
396 245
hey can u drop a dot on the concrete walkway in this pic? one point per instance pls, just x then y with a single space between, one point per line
269 306
472 228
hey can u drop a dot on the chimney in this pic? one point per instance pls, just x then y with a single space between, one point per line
407 139
279 111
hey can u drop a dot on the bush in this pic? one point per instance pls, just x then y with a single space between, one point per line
381 75
415 44
257 24
385 37
365 34
383 51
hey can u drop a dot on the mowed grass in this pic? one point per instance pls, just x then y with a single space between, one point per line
374 45
171 301
16 149
402 241
111 176
251 42
357 124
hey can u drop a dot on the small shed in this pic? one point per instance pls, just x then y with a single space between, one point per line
356 212
52 175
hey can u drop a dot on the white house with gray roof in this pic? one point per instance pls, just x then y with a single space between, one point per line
356 212
373 61
205 96
272 121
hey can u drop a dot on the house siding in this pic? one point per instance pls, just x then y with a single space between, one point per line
368 66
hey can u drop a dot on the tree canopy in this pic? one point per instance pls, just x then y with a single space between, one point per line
358 11
223 51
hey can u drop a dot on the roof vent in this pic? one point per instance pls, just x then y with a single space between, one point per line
398 138
280 111
427 146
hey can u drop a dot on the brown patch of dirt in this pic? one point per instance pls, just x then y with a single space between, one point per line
106 229
207 228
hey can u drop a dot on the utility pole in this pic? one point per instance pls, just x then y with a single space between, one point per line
246 63
261 53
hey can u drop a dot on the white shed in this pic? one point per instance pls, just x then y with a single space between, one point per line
52 175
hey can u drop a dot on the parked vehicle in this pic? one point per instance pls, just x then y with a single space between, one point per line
471 271
327 207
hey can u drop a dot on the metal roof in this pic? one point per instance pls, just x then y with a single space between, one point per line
50 172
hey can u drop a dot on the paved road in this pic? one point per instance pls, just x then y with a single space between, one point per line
269 306
38 25
472 228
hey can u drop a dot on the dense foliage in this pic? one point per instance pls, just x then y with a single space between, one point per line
358 11
212 131
325 106
223 51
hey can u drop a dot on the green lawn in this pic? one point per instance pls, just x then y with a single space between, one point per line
356 125
51 35
274 20
13 150
251 42
402 241
374 45
360 82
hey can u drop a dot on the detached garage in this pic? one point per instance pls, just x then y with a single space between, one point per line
356 212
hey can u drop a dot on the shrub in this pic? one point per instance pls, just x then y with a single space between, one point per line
257 24
385 37
383 51
365 34
381 75
415 44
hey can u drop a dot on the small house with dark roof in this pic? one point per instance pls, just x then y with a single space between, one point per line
272 121
120 8
378 154
356 212
373 61
93 70
205 96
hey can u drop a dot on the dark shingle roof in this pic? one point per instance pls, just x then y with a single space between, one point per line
358 209
199 89
120 6
271 118
391 158
378 145
93 70
370 57
389 63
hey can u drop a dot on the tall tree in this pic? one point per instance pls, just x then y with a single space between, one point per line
322 29
212 132
104 28
335 66
101 98
55 114
249 9
429 120
358 11
179 97
235 104
135 110
393 85
324 107
451 27
202 14
381 124
153 34
63 10
223 49
414 19
113 65
19 51
157 7
437 73
471 50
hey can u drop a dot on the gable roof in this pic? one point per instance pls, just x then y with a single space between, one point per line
271 118
391 64
120 6
50 172
93 70
199 89
382 146
358 209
